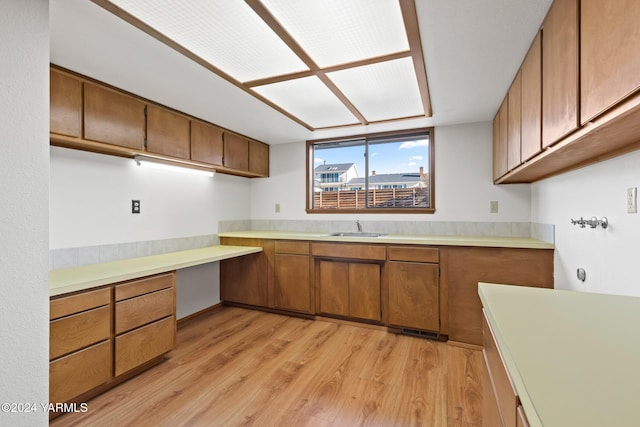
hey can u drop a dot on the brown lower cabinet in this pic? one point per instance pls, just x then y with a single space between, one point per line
98 335
408 287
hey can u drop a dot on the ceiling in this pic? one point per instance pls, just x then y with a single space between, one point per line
471 49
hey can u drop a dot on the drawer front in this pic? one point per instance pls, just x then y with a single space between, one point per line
65 306
350 251
79 372
408 253
145 286
144 309
503 387
80 330
292 247
142 345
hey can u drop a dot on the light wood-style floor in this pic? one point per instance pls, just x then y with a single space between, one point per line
242 367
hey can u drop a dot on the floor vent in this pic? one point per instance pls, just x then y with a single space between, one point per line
421 334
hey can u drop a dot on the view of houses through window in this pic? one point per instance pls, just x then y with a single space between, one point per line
372 172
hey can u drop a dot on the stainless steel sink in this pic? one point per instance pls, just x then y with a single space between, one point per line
355 234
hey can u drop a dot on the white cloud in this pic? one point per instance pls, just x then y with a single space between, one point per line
416 158
414 144
317 160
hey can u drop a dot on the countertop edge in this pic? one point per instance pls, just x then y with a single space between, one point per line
75 279
475 241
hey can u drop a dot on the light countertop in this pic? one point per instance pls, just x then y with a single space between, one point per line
80 278
573 356
487 241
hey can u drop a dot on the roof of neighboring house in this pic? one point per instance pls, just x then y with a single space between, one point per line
333 167
409 177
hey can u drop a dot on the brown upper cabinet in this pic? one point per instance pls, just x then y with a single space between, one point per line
514 122
500 140
532 101
258 158
206 143
560 71
609 54
65 104
113 117
236 152
167 133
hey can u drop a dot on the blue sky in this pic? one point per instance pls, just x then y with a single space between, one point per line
397 157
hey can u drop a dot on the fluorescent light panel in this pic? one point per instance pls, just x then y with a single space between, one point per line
310 100
150 162
336 32
383 90
225 33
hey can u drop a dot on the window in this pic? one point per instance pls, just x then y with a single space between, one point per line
379 173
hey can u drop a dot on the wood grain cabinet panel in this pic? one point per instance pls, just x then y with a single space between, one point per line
206 143
168 133
236 152
74 332
334 287
72 304
364 291
514 122
466 266
246 279
137 287
113 117
500 140
79 372
65 108
144 309
609 54
144 344
292 270
559 71
259 158
414 289
531 111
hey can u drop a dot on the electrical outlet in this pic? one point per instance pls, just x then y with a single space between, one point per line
135 206
493 206
632 200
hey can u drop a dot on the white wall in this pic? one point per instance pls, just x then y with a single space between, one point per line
91 201
24 165
464 185
610 257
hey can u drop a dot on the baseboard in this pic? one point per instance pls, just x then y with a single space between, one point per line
184 320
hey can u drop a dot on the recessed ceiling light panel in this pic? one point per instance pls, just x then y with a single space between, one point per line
382 91
310 100
341 31
226 33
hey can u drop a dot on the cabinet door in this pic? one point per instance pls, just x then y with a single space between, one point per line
334 287
292 282
206 143
259 158
414 295
167 133
531 138
515 118
65 108
244 280
364 291
236 152
560 71
113 117
609 54
500 138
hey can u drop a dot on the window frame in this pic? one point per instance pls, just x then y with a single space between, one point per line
372 210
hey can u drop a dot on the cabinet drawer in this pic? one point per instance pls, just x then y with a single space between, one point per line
80 330
408 253
142 345
144 286
290 247
65 306
79 372
352 251
144 309
505 392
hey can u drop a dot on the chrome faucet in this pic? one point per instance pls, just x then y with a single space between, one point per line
359 226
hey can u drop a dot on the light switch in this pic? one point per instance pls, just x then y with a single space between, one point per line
632 200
